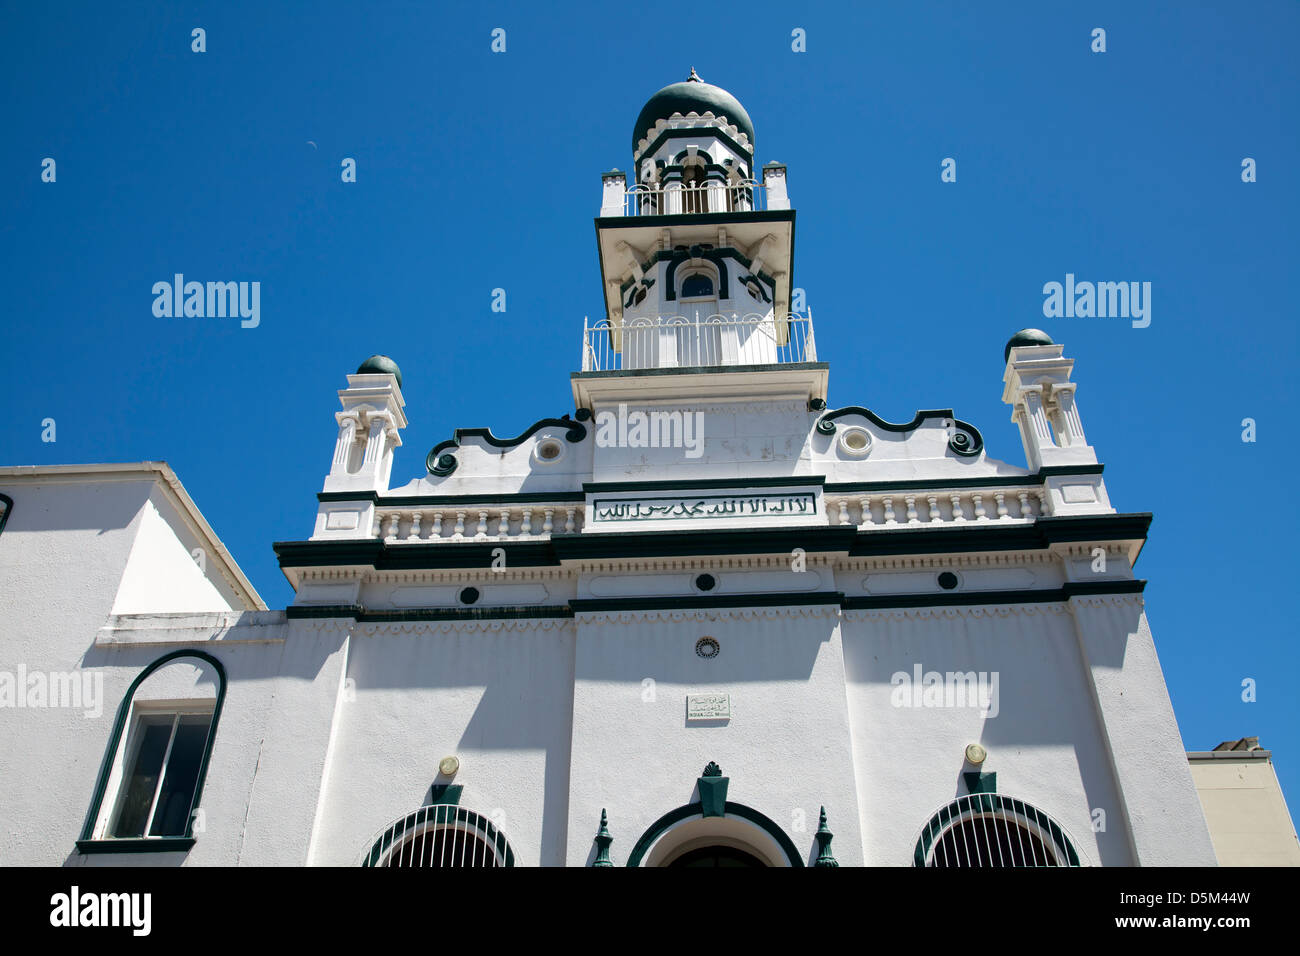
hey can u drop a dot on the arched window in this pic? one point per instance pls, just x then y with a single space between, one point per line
989 829
698 285
441 835
151 780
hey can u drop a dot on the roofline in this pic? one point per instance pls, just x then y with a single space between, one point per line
162 473
1229 754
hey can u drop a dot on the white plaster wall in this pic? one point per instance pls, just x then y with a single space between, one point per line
61 558
496 694
1144 745
161 575
1044 744
786 748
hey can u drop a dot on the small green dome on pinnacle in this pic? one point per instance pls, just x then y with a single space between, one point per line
1026 337
692 95
381 365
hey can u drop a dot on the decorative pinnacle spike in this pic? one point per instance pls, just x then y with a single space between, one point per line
694 77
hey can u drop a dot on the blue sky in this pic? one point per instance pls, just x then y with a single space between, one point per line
479 171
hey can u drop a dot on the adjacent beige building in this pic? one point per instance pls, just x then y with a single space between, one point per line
1244 806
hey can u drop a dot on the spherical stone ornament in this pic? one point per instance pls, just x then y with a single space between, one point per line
976 754
1026 337
448 766
381 365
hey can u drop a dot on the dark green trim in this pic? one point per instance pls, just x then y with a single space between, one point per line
581 546
114 740
980 782
695 219
991 481
508 499
796 481
378 554
1052 471
151 845
961 599
695 132
436 464
660 826
989 803
359 613
483 827
302 611
716 256
9 509
713 795
698 370
826 426
503 612
1037 536
769 599
445 793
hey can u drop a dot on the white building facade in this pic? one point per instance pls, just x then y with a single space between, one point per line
702 619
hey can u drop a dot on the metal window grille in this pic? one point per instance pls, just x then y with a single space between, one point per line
442 835
990 829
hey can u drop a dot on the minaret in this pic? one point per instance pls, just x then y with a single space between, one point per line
696 253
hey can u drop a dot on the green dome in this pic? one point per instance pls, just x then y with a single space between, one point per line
692 96
381 365
1026 337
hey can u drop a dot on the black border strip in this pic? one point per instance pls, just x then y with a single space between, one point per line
959 598
773 599
580 546
597 487
696 601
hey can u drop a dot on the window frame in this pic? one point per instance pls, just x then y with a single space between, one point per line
93 837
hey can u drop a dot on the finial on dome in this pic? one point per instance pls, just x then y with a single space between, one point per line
694 77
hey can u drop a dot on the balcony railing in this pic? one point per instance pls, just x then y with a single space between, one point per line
674 199
680 341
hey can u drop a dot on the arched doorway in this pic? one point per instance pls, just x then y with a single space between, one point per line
742 837
717 857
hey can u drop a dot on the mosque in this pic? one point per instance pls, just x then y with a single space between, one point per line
702 618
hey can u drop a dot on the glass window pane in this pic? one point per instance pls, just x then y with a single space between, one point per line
172 815
141 774
697 285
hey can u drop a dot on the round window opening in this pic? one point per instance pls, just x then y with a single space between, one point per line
707 647
855 441
469 595
948 580
706 582
549 450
